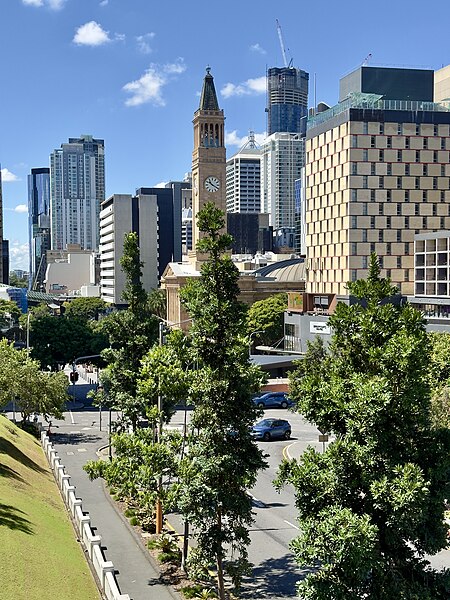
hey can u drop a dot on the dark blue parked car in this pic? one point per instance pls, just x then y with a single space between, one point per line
269 429
273 400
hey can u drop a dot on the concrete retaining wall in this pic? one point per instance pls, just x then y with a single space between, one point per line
103 568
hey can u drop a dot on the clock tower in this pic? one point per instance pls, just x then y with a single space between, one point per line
208 158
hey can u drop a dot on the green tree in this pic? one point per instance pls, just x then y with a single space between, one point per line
85 309
223 460
9 313
56 341
131 332
370 507
16 281
157 303
267 318
37 392
440 378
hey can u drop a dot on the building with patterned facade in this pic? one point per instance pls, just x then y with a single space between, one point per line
243 179
377 174
38 225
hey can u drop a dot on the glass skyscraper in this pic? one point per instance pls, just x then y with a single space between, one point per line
38 225
77 188
287 98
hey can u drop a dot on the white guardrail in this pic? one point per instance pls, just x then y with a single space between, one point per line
103 568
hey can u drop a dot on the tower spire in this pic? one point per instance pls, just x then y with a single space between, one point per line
208 99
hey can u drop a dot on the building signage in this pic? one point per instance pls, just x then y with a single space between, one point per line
320 327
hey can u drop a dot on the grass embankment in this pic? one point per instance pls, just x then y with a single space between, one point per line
39 555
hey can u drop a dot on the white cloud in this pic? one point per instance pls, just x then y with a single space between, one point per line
18 256
52 4
7 176
148 88
103 2
257 48
247 88
161 184
232 138
143 42
21 208
91 34
176 67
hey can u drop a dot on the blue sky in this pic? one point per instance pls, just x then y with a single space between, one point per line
130 72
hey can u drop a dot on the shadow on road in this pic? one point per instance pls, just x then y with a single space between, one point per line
75 438
274 578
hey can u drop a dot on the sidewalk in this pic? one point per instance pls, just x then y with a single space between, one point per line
77 440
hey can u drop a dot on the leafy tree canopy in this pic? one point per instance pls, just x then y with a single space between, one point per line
85 308
9 313
267 318
372 505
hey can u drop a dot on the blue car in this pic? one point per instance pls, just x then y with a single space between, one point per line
269 429
273 400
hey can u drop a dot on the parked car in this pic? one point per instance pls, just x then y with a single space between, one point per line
269 429
273 400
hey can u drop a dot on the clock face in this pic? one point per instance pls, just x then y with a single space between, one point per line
212 184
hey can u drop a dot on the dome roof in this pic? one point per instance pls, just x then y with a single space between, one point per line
286 270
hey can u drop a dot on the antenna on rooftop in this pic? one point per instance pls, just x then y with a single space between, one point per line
283 50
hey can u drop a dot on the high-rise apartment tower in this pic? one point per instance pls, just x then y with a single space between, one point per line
77 188
287 100
38 225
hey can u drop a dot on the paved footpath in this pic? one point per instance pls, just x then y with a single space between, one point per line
77 440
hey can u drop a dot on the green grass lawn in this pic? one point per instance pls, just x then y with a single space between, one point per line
39 555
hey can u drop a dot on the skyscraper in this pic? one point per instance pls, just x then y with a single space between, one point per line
77 188
287 100
38 225
244 179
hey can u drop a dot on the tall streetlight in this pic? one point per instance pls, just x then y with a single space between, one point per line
28 333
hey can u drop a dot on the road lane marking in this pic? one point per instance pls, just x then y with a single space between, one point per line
71 417
82 450
292 524
70 453
286 454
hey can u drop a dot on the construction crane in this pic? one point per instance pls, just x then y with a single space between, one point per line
283 51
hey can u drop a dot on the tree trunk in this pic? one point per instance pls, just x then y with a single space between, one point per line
219 562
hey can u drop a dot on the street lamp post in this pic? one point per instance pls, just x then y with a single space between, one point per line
28 333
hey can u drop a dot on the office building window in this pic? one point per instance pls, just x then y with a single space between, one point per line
388 195
425 143
381 156
407 143
442 223
364 235
372 169
435 130
399 262
399 156
354 274
399 235
417 183
380 235
443 143
372 195
424 222
365 128
364 209
381 128
354 195
388 273
406 222
389 141
372 247
381 182
365 182
417 129
372 141
424 195
380 261
442 170
365 155
407 169
389 169
434 210
354 222
406 274
388 248
442 196
416 209
417 156
399 209
388 222
399 183
364 262
406 195
354 141
372 222
399 128
435 183
407 249
380 208
435 156
354 168
425 170
353 248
